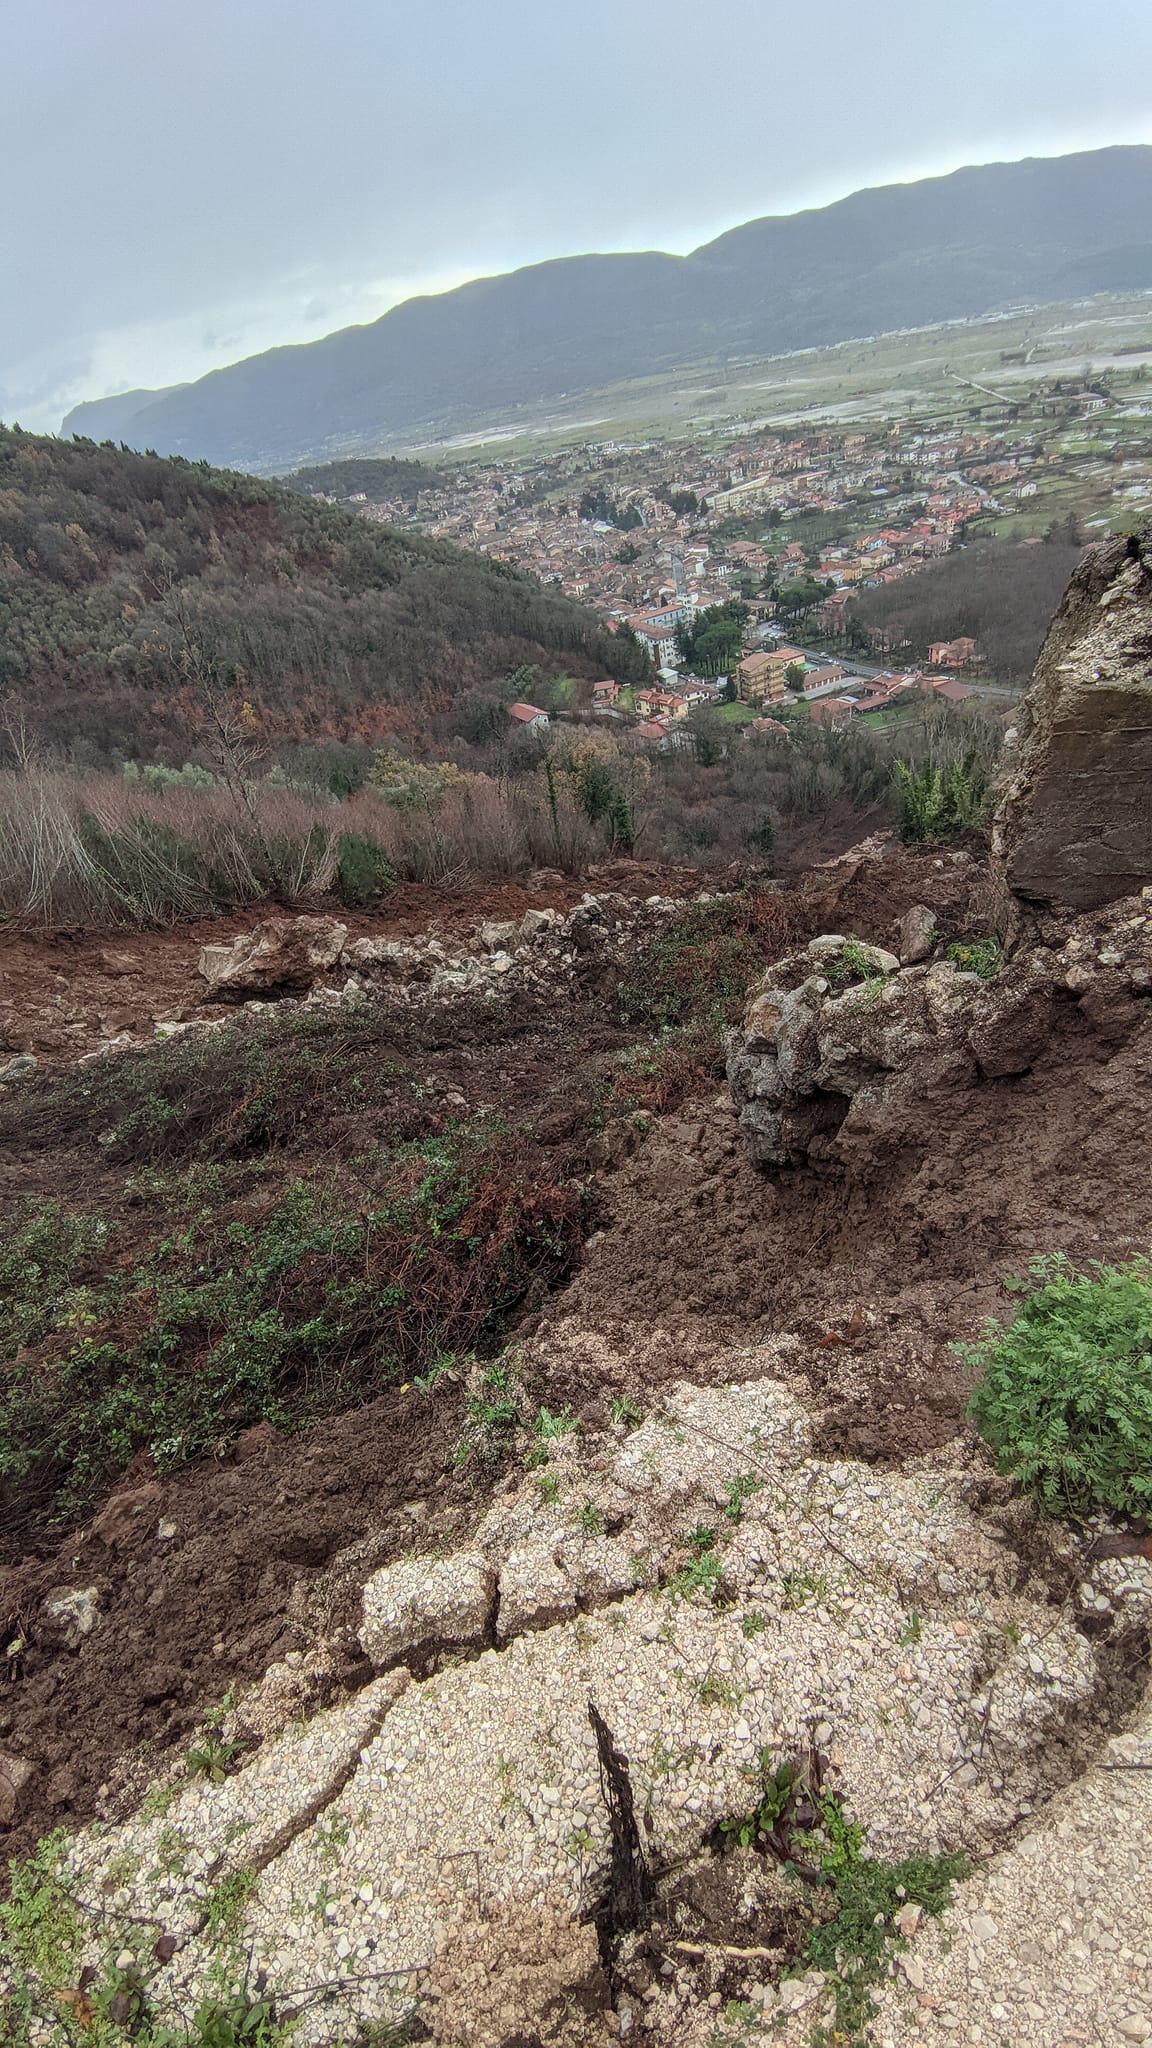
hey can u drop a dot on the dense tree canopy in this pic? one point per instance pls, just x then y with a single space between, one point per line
711 642
1002 596
381 478
315 623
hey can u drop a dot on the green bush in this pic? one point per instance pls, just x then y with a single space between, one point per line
936 802
1064 1396
976 956
363 870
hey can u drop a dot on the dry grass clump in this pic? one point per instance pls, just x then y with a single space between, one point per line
527 1972
103 851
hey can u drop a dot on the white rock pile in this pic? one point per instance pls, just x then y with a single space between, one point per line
719 1592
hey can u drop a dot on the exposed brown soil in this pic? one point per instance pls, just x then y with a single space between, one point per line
62 992
186 1619
880 1274
696 1254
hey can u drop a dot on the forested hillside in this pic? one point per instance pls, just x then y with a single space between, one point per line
139 595
378 478
1003 596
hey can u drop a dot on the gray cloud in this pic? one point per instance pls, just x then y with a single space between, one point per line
190 184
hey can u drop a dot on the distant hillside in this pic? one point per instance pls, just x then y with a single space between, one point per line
104 417
900 256
134 590
381 479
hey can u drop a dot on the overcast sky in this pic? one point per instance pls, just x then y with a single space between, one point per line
189 181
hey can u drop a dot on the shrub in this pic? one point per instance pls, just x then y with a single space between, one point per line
935 801
363 870
1064 1396
762 835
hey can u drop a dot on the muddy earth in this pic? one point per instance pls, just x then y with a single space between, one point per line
660 1256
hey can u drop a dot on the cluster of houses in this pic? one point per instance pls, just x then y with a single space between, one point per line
529 514
693 523
765 679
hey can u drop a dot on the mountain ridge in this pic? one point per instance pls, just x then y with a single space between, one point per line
887 257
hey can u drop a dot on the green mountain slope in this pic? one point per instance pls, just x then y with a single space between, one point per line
133 588
900 256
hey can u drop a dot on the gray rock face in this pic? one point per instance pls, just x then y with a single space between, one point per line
917 934
1074 827
843 1056
69 1615
282 955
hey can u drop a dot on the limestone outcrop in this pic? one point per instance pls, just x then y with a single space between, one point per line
312 960
1074 827
843 1055
775 1598
282 956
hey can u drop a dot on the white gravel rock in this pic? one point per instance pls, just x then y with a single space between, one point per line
426 1601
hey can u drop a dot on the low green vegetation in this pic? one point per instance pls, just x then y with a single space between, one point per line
696 972
50 1995
976 956
853 1947
211 1757
547 1429
739 1493
801 1824
1064 1393
279 1251
704 1571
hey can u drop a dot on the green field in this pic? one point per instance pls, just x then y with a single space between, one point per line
929 377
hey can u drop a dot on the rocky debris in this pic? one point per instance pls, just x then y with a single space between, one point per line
842 1053
422 1604
917 934
18 1066
291 1690
784 1599
1075 823
15 1773
283 955
70 1615
290 958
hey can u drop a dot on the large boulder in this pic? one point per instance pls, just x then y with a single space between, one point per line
281 957
844 1056
1074 827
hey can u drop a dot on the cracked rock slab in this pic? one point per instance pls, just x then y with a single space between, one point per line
161 1870
426 1602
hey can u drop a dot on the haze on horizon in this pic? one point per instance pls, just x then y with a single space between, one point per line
190 186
